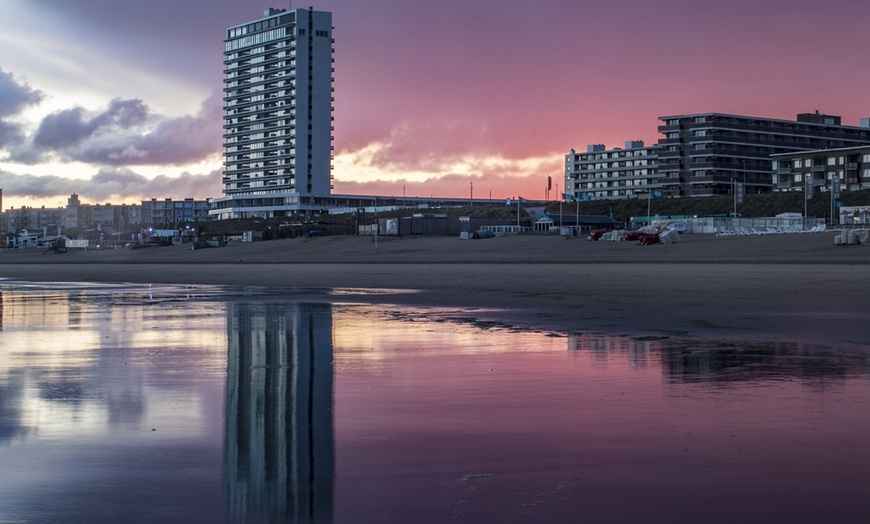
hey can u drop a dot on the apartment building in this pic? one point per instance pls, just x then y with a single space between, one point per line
705 153
277 114
850 166
93 215
165 213
169 213
617 173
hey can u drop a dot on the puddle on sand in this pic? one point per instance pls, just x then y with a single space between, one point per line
226 405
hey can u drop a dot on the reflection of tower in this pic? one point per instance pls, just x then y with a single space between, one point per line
279 450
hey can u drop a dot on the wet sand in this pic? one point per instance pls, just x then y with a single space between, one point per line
787 287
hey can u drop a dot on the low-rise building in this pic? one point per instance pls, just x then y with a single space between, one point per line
165 213
92 215
169 213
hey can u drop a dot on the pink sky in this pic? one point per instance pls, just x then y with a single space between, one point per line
429 97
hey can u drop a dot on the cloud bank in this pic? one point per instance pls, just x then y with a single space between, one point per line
126 133
112 184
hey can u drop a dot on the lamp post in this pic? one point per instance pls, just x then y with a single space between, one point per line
577 214
734 195
648 202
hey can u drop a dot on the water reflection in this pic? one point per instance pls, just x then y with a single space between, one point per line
107 407
279 425
724 362
601 348
161 404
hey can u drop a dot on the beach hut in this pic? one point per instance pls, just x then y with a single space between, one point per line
579 223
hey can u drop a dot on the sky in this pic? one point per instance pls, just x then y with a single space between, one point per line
120 101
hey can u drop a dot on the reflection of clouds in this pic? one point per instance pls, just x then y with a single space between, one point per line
279 433
76 362
374 334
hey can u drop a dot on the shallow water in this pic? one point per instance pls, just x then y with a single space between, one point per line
211 404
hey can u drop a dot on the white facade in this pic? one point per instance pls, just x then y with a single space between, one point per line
617 173
277 114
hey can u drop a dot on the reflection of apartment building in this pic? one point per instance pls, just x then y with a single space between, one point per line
703 154
279 449
278 114
851 166
600 173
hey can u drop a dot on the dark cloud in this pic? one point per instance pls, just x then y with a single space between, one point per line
125 133
10 133
63 129
69 127
15 96
174 141
112 184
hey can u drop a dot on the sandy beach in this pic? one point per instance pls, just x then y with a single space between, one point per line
796 287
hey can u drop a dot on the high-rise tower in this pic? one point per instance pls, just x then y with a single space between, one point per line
277 114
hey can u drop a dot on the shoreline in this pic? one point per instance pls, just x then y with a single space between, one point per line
800 288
